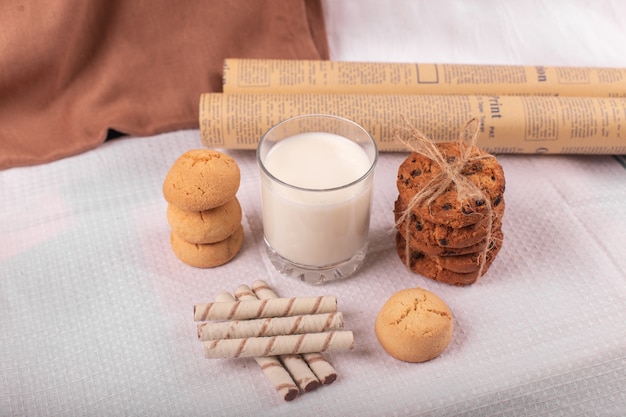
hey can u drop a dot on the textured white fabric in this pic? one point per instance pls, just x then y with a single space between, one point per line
96 313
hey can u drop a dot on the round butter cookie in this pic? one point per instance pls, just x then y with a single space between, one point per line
207 226
414 325
207 255
201 179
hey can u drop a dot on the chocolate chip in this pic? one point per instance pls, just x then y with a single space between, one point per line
419 226
446 206
416 172
416 255
413 217
443 242
497 201
473 168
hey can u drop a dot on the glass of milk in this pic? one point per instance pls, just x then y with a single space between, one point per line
316 188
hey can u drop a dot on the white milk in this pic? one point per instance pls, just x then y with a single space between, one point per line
306 225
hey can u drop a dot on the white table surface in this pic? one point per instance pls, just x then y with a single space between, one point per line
96 311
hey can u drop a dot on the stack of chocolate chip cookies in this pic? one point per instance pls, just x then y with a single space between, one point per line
203 211
455 236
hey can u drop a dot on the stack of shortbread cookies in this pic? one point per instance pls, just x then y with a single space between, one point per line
451 232
203 211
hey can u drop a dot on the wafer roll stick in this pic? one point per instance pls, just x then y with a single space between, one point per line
300 372
272 326
272 368
324 371
254 309
295 364
279 345
279 376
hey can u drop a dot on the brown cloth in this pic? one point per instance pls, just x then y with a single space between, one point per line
70 70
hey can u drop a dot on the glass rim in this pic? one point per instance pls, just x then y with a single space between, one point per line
318 115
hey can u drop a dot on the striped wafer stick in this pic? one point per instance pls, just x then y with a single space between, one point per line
320 367
295 364
254 309
324 371
272 326
280 345
271 366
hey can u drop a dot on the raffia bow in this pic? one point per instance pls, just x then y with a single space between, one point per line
451 175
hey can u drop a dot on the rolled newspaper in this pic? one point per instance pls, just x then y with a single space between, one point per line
253 309
272 326
295 364
271 367
279 345
508 124
249 75
324 371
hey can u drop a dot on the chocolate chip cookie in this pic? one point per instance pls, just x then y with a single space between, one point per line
441 235
446 269
482 171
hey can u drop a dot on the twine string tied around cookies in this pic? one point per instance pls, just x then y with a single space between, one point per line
451 175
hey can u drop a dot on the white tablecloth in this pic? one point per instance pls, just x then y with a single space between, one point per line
96 313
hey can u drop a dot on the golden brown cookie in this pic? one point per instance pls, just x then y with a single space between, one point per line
201 179
414 325
207 226
433 268
417 171
432 250
208 255
440 235
470 262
